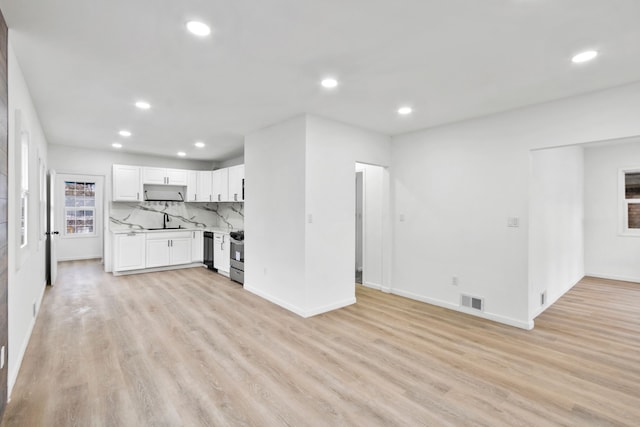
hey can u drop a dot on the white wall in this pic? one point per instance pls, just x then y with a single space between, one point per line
275 213
609 254
333 149
373 183
556 224
300 211
26 266
231 162
456 185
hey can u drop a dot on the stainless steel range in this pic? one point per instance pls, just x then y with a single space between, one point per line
237 256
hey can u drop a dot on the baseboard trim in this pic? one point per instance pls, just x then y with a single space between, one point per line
277 301
482 314
614 277
372 285
167 268
330 307
544 308
298 310
84 258
13 376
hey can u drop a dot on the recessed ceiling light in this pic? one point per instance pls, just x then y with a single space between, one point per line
405 110
198 28
585 56
143 105
116 145
199 144
124 133
329 83
181 153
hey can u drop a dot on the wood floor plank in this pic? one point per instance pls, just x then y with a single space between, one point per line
189 347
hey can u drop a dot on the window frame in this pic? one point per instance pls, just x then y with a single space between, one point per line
65 233
624 229
23 235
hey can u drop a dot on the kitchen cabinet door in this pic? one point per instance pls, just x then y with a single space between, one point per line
127 184
192 186
158 253
129 252
180 251
221 249
176 176
205 182
197 246
221 185
154 175
236 183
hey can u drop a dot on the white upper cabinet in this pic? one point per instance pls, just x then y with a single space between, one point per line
127 183
205 183
220 190
163 176
177 176
222 185
236 183
192 186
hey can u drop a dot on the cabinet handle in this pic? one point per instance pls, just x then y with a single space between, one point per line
218 197
210 196
235 197
168 244
195 197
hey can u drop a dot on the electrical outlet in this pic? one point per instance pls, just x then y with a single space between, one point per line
401 217
34 309
454 280
265 271
543 298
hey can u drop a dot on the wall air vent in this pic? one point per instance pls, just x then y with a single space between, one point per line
471 302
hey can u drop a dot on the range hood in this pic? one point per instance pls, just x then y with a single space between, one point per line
164 193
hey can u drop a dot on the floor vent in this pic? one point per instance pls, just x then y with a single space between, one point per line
472 302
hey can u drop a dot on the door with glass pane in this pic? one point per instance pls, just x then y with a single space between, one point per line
79 216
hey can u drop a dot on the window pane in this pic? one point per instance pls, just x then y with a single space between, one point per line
632 185
633 213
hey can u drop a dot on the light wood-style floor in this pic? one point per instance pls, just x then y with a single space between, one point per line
190 348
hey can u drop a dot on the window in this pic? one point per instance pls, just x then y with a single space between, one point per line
630 185
79 208
24 190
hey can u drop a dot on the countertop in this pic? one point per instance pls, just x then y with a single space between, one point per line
213 229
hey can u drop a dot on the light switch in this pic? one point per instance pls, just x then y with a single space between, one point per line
513 221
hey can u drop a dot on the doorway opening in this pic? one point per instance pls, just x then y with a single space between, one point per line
369 223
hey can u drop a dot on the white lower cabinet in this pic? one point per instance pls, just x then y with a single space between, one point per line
221 249
128 251
168 248
197 246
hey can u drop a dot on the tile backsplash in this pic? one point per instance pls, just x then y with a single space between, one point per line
137 216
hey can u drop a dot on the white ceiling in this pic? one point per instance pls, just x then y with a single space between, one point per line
88 61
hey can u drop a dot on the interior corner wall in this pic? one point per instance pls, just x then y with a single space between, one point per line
275 214
27 265
454 186
332 151
609 254
556 224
